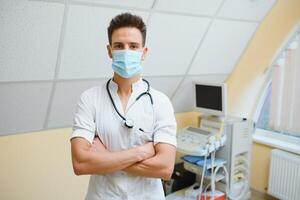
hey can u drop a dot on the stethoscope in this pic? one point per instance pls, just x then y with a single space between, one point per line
129 123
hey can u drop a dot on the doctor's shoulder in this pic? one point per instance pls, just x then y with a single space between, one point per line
91 94
160 99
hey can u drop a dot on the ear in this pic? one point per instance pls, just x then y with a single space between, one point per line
109 51
145 50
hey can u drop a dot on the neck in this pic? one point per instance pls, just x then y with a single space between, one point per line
125 84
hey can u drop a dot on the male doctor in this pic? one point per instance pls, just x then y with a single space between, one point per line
124 131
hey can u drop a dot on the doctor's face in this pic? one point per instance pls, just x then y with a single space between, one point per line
127 38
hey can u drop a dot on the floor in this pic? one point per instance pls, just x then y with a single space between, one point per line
179 195
259 196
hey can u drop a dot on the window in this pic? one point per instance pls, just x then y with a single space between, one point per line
263 120
280 111
264 117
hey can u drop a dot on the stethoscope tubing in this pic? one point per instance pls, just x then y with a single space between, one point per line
147 92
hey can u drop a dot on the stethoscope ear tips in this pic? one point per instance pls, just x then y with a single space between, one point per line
128 123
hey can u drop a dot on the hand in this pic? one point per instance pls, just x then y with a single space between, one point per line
146 151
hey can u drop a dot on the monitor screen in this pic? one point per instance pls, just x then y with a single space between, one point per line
210 98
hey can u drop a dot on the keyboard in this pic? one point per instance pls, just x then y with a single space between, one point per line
192 141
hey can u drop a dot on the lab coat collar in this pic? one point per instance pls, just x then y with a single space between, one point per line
136 86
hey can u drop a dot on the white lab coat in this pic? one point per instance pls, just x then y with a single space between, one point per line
96 115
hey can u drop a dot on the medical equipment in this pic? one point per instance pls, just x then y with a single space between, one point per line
198 142
232 176
237 153
197 166
129 123
210 98
218 137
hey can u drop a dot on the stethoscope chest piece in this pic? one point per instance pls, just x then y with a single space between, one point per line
129 123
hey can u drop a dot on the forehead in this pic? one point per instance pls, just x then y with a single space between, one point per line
126 35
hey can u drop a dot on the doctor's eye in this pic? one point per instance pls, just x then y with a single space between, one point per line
134 46
117 46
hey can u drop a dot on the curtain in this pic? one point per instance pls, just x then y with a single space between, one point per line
285 92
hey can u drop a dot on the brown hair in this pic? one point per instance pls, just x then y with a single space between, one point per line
126 20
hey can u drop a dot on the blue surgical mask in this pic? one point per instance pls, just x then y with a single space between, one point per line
126 63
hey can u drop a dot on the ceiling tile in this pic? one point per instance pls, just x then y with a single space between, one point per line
167 84
63 106
127 3
84 52
29 39
172 41
183 99
246 9
200 7
222 47
23 106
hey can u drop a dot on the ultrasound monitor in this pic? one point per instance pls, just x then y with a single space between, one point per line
210 98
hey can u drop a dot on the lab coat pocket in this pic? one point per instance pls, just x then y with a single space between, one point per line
144 126
140 137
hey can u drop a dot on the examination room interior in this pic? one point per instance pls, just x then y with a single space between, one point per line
53 50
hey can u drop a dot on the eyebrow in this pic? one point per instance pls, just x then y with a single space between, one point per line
116 43
131 43
135 43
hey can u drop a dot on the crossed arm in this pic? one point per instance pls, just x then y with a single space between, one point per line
146 160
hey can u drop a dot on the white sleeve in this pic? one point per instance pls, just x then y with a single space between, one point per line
84 117
165 127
